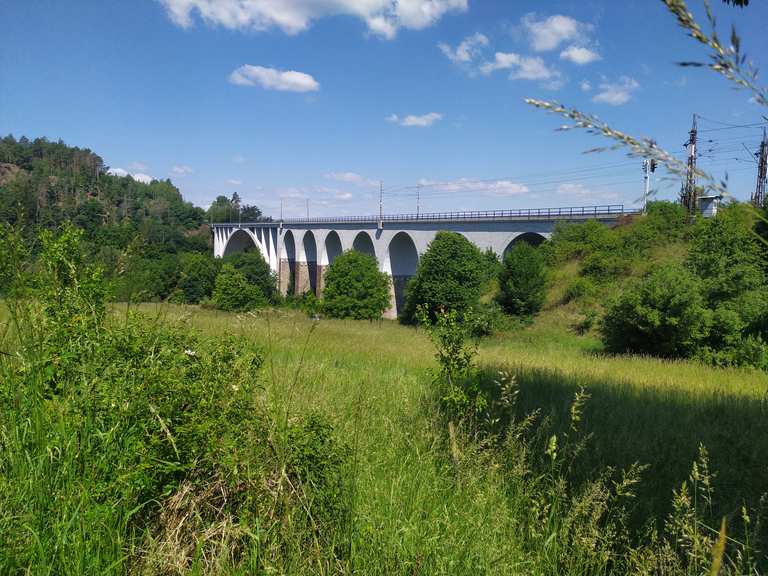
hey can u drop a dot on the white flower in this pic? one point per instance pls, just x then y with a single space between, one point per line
189 352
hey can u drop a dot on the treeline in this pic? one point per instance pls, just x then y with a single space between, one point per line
151 244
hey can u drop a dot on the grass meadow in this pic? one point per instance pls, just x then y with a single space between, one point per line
421 496
374 379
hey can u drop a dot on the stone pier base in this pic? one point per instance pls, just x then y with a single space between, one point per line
396 296
284 275
306 277
320 274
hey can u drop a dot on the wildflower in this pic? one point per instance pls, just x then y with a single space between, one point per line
189 352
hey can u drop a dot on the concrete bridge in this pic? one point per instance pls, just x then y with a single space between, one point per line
299 250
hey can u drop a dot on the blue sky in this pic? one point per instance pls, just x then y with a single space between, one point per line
319 100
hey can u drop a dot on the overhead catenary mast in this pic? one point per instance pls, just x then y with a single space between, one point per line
688 194
758 198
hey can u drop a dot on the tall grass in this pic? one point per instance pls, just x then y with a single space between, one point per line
185 441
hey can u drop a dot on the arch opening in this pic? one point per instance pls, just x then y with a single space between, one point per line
333 248
364 244
403 261
532 238
287 265
307 277
239 241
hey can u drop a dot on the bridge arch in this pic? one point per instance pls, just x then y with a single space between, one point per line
332 248
239 241
532 238
401 262
364 243
306 277
287 264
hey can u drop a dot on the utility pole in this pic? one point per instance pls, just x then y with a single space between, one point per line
381 204
281 209
649 166
688 196
307 208
418 199
758 198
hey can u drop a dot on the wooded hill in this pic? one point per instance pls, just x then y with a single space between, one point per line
145 235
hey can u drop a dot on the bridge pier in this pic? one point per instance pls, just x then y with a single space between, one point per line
320 275
305 277
284 275
396 296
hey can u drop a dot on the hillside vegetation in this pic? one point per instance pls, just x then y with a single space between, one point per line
595 405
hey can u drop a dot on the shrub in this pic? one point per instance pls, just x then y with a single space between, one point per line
492 265
602 266
726 255
523 280
664 315
579 240
450 276
355 288
587 322
578 288
256 270
197 277
485 319
233 292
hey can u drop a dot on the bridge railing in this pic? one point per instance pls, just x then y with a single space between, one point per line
519 214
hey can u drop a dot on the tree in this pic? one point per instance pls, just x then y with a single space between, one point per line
663 315
450 276
355 288
234 293
256 270
726 254
197 276
523 280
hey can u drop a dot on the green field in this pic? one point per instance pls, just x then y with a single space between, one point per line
374 379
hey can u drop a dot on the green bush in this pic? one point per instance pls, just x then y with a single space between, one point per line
602 267
197 277
256 270
485 319
726 254
355 288
450 276
578 288
233 292
523 280
131 442
664 315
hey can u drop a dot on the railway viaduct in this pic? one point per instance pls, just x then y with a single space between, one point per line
299 250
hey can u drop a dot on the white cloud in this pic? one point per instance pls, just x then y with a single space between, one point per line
581 191
522 67
585 85
549 33
383 17
616 93
143 178
182 170
138 176
137 166
467 50
418 121
579 55
234 182
487 187
343 195
274 79
350 177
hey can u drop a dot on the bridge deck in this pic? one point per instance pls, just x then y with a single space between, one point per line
608 211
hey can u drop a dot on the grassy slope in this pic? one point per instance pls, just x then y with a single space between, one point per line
371 378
